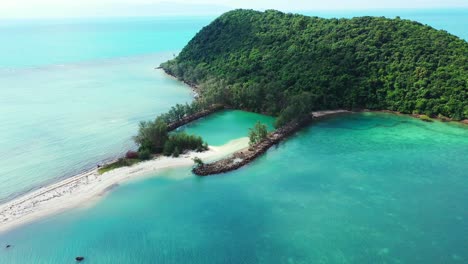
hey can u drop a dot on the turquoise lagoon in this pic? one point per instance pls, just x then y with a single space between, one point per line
219 128
361 188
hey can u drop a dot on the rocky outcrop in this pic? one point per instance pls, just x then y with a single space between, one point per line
187 119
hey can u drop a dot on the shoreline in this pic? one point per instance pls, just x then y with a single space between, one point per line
86 188
417 116
192 86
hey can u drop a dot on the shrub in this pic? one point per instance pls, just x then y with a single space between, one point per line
257 133
144 154
122 162
198 162
176 152
151 136
180 142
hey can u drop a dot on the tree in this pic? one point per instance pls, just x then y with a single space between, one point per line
198 162
144 154
151 136
176 152
257 133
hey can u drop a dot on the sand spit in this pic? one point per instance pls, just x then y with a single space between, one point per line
82 189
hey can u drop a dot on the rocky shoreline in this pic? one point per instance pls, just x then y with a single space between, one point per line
191 85
245 156
187 119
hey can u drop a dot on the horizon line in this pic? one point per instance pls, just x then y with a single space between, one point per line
200 15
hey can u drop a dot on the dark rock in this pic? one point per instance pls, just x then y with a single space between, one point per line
79 259
8 246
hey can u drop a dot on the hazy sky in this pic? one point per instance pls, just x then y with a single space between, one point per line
66 8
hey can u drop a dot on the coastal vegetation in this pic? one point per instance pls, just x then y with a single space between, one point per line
121 162
153 137
288 65
198 162
258 133
177 143
178 112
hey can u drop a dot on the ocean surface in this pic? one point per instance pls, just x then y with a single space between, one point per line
59 120
365 188
30 43
73 92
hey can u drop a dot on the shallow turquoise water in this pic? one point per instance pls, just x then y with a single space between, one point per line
221 127
364 188
59 120
73 91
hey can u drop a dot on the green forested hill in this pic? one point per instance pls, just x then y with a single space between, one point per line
288 65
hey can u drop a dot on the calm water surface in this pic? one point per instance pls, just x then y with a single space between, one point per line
59 120
73 91
365 188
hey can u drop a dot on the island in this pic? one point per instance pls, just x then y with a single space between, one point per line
290 65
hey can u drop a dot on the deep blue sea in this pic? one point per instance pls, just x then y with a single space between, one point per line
365 188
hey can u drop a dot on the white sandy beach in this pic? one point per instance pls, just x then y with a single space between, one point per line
87 187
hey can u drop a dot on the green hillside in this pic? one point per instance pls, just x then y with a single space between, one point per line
287 65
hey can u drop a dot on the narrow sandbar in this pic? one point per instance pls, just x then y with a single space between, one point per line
85 188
